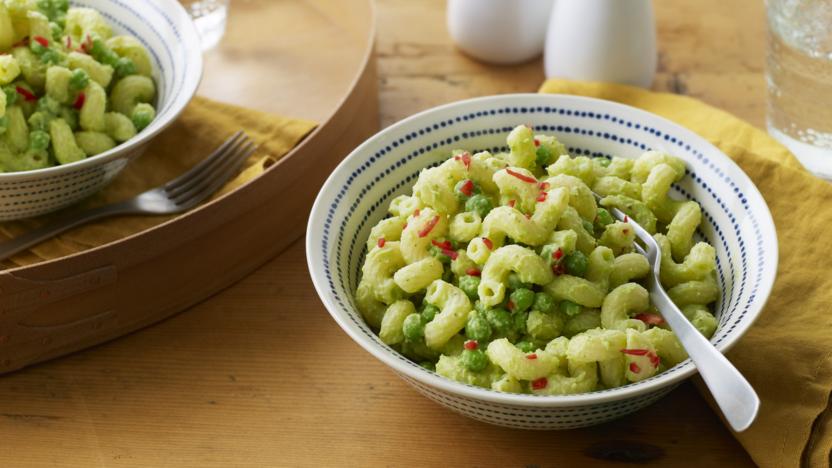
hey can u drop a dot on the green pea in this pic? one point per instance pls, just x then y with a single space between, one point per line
602 219
143 114
413 327
479 204
469 285
448 276
520 319
11 95
500 320
38 140
428 365
124 67
525 346
588 227
544 302
47 104
576 263
569 308
480 307
474 360
40 121
429 311
544 156
513 281
522 298
79 79
478 327
604 162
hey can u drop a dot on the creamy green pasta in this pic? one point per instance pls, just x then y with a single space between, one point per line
502 271
70 88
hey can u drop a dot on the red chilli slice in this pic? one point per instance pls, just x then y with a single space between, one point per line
381 242
488 243
543 186
446 245
431 224
522 177
626 219
531 356
557 254
27 95
536 142
450 253
79 101
473 272
511 203
539 384
42 41
634 368
649 319
636 352
465 158
654 359
542 197
471 344
467 188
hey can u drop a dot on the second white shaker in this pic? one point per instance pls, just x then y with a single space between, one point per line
602 40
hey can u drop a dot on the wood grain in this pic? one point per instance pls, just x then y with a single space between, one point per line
261 376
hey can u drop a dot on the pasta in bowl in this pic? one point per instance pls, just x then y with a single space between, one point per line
491 280
85 85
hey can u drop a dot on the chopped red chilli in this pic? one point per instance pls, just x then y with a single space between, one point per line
654 359
79 101
543 186
634 368
626 219
381 242
558 269
522 177
450 253
635 352
42 41
471 344
542 197
467 188
87 45
488 243
27 95
540 384
536 142
557 254
429 227
649 319
443 245
531 356
465 158
511 203
472 272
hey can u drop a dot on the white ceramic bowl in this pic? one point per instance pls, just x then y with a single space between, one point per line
169 34
736 221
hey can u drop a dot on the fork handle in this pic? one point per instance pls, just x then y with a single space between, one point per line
63 224
731 391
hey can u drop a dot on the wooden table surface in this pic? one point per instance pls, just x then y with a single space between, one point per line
261 376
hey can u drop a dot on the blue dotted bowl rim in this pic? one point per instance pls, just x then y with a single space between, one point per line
179 22
726 169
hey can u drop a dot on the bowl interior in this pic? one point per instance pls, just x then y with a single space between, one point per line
735 217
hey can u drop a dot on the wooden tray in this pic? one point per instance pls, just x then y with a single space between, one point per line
325 71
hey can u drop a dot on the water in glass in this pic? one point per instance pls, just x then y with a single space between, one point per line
799 79
210 18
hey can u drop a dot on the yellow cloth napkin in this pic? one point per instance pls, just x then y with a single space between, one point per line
203 126
786 354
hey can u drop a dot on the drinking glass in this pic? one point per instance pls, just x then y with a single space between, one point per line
210 18
799 79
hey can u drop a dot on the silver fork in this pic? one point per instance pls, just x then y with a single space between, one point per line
734 395
177 196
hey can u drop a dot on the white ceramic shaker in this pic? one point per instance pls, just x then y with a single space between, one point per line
499 31
602 40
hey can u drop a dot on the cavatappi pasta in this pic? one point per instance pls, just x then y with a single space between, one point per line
70 89
502 271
